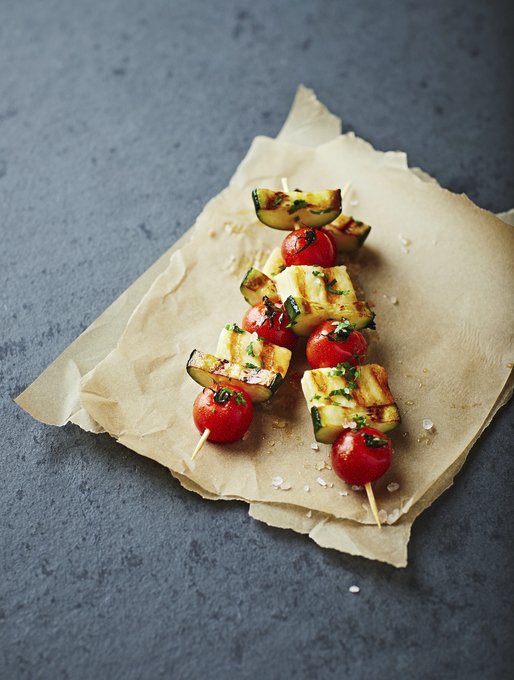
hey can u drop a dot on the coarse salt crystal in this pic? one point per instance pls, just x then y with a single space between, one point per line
307 488
354 202
321 482
285 486
277 481
314 446
343 493
393 486
393 516
320 466
354 589
405 241
382 516
394 300
309 514
427 424
356 487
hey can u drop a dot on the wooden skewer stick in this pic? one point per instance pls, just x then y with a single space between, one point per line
201 442
345 190
285 185
373 503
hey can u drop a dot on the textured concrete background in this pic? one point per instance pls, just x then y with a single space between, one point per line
118 120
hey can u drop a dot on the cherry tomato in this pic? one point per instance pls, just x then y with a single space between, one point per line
309 246
270 322
335 342
225 411
361 456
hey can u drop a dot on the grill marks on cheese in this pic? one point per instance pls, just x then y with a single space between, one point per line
311 284
245 348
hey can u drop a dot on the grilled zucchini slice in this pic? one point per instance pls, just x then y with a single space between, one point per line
275 264
349 234
256 285
324 285
250 351
279 210
304 316
208 370
335 396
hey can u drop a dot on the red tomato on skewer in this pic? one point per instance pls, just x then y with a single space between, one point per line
335 342
309 246
270 322
225 411
361 456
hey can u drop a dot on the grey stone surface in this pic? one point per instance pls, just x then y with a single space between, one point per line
118 120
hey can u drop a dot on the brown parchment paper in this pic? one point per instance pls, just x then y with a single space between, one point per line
129 393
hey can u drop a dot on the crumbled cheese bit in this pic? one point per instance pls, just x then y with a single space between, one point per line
307 488
276 482
309 514
427 424
393 516
314 446
393 486
343 493
356 487
321 482
354 589
382 516
285 486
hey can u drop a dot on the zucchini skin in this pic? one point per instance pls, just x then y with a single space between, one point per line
286 211
256 285
348 233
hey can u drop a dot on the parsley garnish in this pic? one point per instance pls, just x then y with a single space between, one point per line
373 441
234 327
316 396
278 200
272 313
360 421
249 350
329 284
251 366
297 205
309 238
224 394
342 331
345 392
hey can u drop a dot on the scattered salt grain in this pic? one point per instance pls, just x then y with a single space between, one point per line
343 493
393 516
309 514
276 482
321 482
405 241
394 300
246 435
320 466
330 485
285 486
354 202
307 488
356 487
354 589
314 446
382 516
393 486
427 424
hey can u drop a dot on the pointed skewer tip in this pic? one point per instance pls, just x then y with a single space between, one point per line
201 442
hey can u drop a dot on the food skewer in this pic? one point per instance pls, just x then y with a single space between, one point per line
201 442
372 503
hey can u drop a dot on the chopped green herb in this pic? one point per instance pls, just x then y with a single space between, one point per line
342 331
297 204
240 400
251 366
249 350
345 392
373 441
234 327
360 421
329 284
272 313
309 238
316 396
278 200
223 394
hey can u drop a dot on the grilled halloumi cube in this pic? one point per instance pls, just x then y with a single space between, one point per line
274 264
239 346
208 370
335 396
330 285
